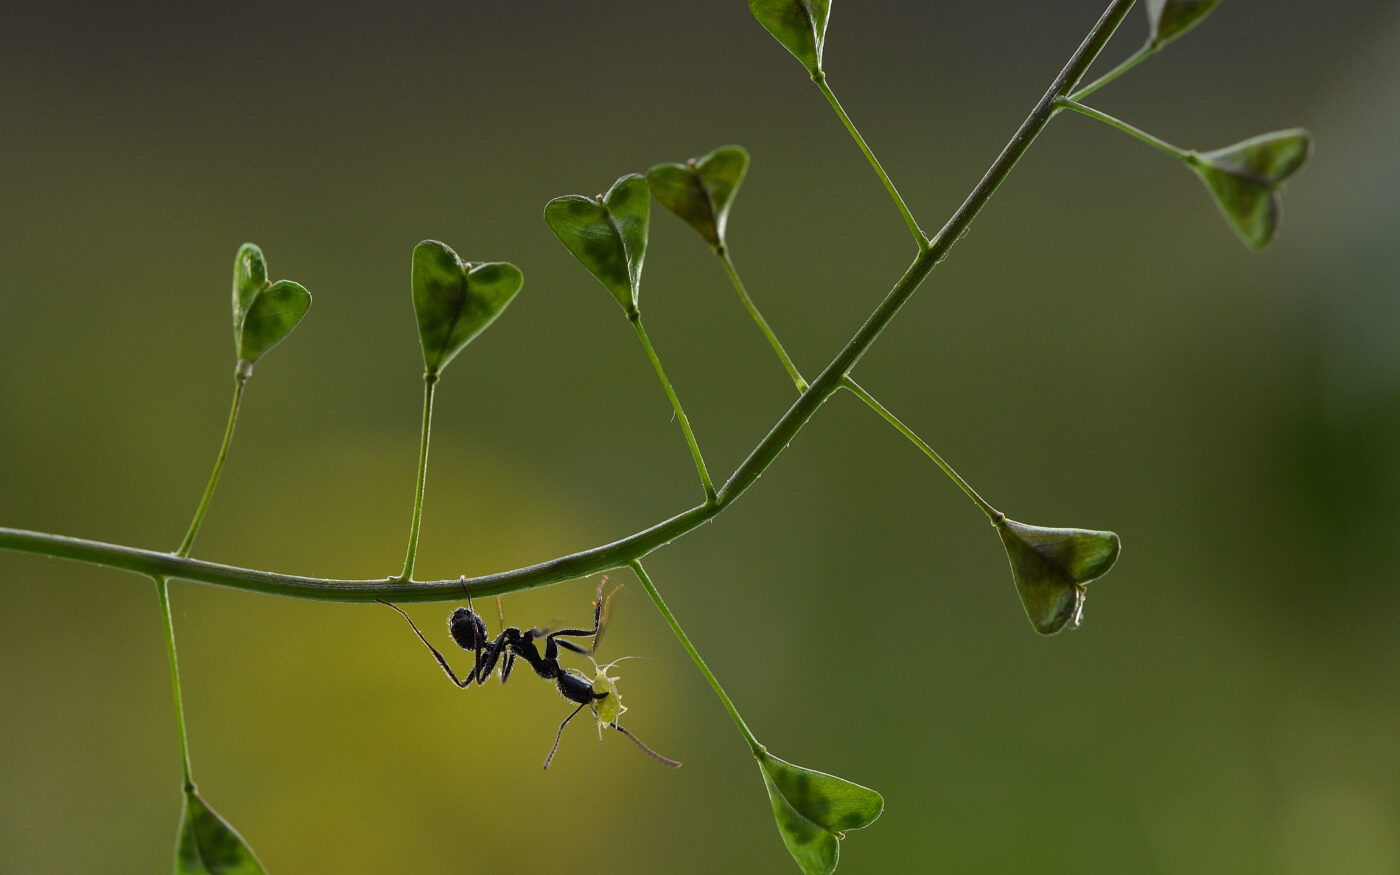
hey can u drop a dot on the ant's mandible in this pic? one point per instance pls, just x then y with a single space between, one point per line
468 629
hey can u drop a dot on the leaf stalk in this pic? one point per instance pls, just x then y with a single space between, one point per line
429 382
240 379
636 566
705 481
920 238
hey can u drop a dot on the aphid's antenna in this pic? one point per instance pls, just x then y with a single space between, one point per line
560 734
646 750
604 668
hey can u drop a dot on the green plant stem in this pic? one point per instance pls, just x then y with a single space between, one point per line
1142 54
992 513
240 380
633 547
1126 128
656 599
919 237
705 481
723 252
429 382
164 596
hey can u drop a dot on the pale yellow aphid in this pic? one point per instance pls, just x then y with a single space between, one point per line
610 707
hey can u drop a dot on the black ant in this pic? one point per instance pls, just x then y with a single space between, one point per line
468 629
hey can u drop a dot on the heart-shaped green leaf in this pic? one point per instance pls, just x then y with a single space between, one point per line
454 301
701 190
607 234
1245 179
800 25
1169 19
1051 566
263 313
207 845
814 810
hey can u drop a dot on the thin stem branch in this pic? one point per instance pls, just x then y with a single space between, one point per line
429 382
919 237
1126 128
705 481
240 380
1142 54
637 569
164 596
723 253
830 378
992 513
633 547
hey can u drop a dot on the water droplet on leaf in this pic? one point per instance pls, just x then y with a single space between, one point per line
813 810
1051 566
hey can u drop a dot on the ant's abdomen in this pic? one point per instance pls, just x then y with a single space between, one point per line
575 688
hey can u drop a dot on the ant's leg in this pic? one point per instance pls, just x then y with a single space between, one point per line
545 666
600 606
442 661
490 654
507 666
560 734
478 639
569 645
600 612
648 751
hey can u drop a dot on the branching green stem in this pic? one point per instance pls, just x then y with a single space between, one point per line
162 593
919 237
705 481
1126 128
723 253
429 382
240 380
1142 54
992 513
637 569
632 548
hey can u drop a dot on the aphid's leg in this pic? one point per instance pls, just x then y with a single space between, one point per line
560 734
442 661
648 751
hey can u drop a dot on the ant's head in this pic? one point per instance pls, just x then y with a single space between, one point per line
467 628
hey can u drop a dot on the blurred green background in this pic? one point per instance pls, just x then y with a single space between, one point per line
1100 351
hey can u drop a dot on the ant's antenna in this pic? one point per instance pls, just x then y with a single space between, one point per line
648 751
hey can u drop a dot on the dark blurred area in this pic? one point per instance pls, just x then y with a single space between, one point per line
1100 351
